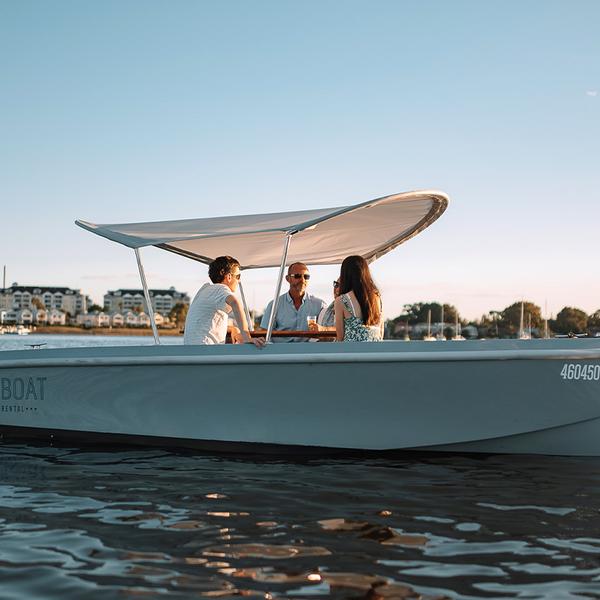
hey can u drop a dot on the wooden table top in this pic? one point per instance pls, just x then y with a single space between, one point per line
300 334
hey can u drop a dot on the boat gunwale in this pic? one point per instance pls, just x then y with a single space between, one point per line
308 358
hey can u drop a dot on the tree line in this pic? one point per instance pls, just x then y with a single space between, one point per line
498 323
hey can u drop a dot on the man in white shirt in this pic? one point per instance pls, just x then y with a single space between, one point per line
206 321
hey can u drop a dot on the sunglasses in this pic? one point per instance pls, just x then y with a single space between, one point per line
237 275
336 284
299 276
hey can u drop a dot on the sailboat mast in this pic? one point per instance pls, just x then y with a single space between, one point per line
522 321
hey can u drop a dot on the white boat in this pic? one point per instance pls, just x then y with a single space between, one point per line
440 337
458 336
428 337
534 396
406 336
523 333
16 330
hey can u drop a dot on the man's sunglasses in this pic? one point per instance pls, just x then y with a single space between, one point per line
299 276
237 275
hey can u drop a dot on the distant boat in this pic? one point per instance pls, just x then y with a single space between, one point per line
406 336
457 331
440 335
524 335
16 330
429 337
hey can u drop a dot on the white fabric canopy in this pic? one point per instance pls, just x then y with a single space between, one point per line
319 237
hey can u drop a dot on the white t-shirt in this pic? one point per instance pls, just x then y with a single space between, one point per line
206 321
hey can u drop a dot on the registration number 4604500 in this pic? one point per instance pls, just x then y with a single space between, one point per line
579 371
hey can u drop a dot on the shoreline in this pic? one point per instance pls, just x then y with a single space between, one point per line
123 331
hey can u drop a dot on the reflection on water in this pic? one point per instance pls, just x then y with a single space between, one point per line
147 523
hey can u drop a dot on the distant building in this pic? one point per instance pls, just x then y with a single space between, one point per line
41 316
26 316
131 319
56 317
143 320
163 301
93 319
117 320
30 297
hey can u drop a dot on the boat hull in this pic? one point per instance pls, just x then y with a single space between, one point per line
481 396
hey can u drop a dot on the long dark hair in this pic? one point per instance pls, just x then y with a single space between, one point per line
356 277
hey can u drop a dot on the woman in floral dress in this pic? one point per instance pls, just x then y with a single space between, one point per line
358 315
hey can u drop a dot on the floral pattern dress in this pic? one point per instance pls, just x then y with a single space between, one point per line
354 329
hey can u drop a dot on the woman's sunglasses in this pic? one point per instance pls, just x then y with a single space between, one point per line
336 283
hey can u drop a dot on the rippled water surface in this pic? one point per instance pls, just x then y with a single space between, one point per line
121 522
111 523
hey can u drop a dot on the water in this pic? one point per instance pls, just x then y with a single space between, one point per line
121 522
23 342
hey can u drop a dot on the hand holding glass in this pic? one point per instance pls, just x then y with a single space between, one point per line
311 322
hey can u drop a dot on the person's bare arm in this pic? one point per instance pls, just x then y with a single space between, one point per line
234 333
240 319
339 320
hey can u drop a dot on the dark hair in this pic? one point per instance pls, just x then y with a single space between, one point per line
356 277
219 267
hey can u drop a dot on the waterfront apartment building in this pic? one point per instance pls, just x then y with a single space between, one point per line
121 301
31 297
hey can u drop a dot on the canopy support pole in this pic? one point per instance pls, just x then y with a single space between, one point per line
286 247
147 296
248 318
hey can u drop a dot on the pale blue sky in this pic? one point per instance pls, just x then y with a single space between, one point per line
146 110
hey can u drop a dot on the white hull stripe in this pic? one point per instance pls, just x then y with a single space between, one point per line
338 357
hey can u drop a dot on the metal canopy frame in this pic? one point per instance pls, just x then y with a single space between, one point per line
246 310
286 247
147 296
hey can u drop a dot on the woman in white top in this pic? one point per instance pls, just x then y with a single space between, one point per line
206 321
